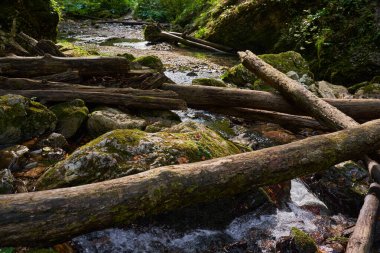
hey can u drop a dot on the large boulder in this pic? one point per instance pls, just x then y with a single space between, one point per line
22 119
37 18
125 152
71 115
285 62
107 119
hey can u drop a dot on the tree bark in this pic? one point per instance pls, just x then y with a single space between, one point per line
146 102
53 216
67 76
49 65
362 238
287 120
361 109
319 109
31 84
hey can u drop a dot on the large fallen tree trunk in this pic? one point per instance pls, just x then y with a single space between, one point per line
89 96
48 65
57 215
204 96
31 84
324 113
362 237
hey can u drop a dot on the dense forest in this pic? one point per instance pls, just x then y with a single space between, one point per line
189 126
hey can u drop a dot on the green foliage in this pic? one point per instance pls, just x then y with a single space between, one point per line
97 8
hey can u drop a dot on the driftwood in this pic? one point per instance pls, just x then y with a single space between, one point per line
31 84
147 102
362 238
324 113
204 42
361 109
57 215
293 121
49 65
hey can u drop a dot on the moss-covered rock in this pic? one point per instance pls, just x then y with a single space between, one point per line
22 119
71 116
325 89
342 188
371 90
284 62
158 120
150 61
125 152
128 56
208 82
303 243
340 39
152 33
37 18
6 182
107 119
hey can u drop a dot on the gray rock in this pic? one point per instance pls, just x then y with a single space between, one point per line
371 90
107 119
6 182
130 151
54 140
71 116
14 158
325 89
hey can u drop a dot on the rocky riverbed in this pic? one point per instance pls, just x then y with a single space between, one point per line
93 143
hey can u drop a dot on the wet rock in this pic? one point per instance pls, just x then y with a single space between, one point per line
71 116
22 119
125 152
150 61
152 33
14 158
107 119
54 140
6 182
297 242
128 56
208 82
284 62
342 188
325 89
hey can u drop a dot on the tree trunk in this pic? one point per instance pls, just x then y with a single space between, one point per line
31 84
204 96
362 238
48 47
53 216
147 102
287 120
67 76
319 109
48 65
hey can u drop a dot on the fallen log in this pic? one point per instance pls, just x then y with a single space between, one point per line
53 216
361 239
29 44
319 109
287 120
67 76
49 65
147 102
361 109
31 84
48 47
204 42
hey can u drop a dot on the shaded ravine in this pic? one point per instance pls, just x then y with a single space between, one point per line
253 232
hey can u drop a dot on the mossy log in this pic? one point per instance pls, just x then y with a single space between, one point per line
362 237
48 65
205 42
53 216
147 102
360 109
31 84
327 115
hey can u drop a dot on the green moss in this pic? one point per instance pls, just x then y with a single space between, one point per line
151 61
7 250
75 51
71 116
208 82
125 152
303 242
128 56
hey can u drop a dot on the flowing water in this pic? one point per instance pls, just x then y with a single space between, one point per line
255 231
